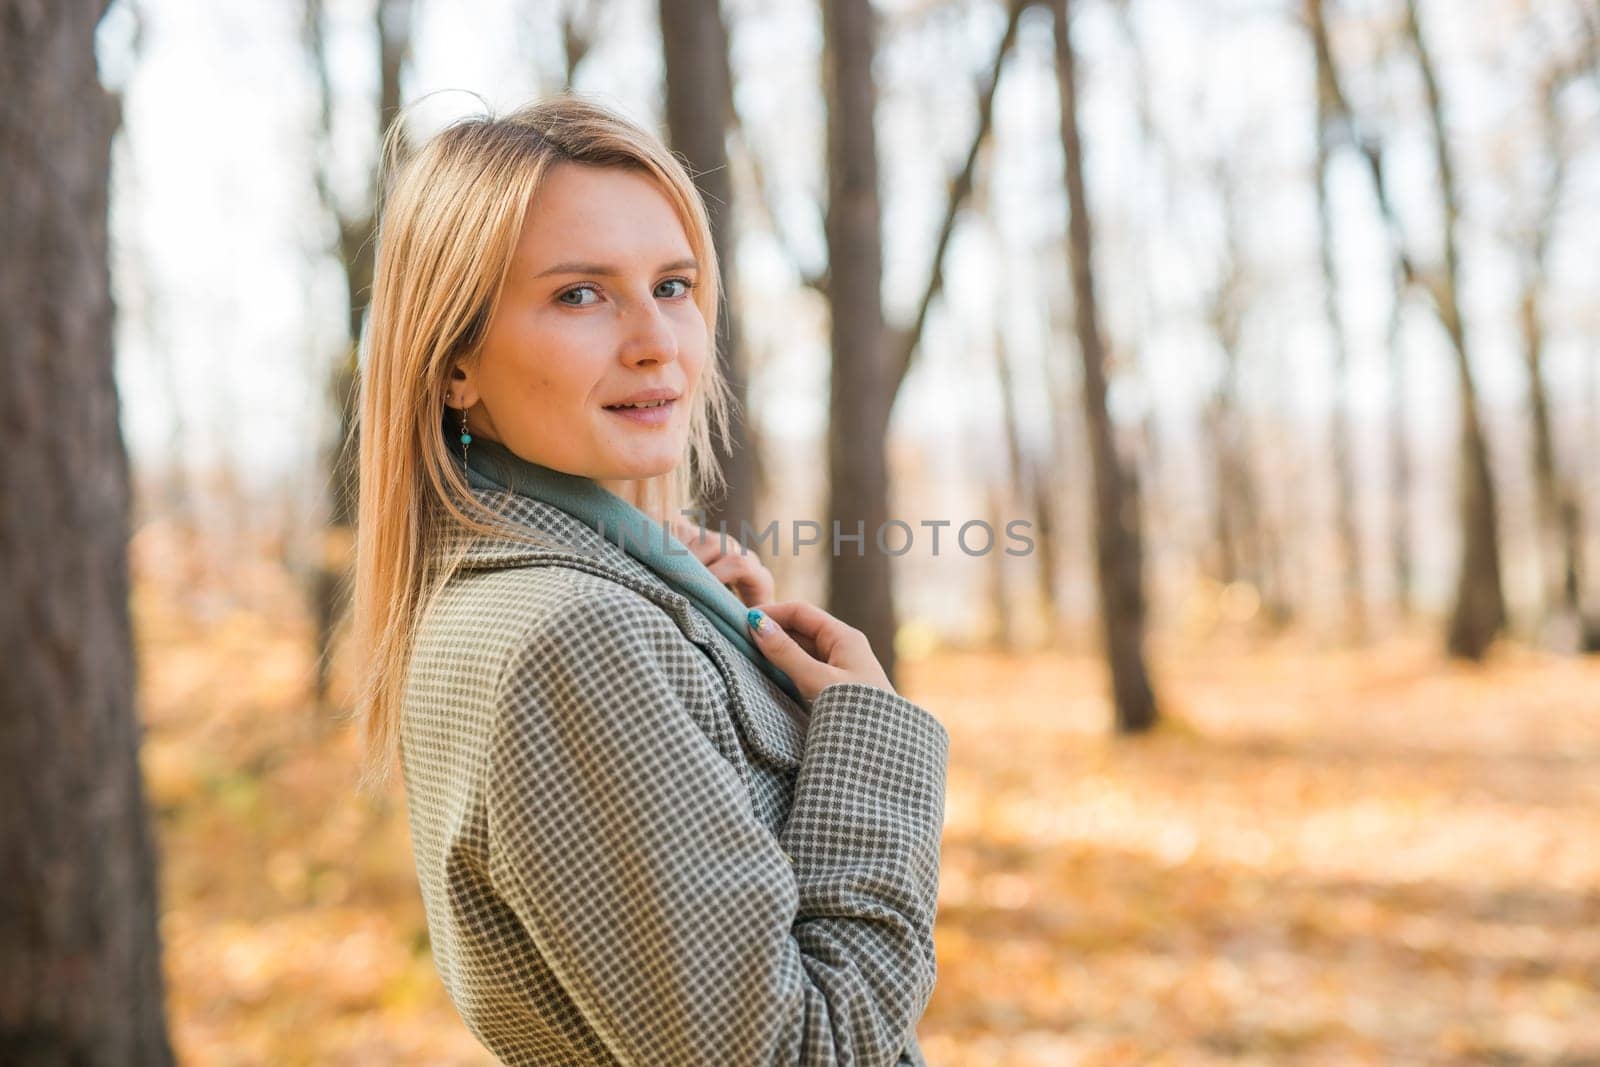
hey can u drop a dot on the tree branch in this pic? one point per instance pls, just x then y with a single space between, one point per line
906 341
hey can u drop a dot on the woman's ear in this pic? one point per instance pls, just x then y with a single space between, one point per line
461 391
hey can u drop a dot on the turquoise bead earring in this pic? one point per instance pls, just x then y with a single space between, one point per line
466 438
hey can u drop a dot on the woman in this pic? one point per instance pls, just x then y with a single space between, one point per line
647 830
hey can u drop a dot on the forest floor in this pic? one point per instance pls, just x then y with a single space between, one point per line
1321 857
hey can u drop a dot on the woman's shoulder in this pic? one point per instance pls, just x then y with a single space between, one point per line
563 604
489 630
547 600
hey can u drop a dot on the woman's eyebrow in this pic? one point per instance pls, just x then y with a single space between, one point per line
610 271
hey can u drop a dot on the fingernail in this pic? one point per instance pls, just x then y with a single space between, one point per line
756 619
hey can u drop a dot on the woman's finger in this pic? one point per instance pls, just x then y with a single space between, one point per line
844 650
808 673
752 583
824 632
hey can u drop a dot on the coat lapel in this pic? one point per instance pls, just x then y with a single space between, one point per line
771 722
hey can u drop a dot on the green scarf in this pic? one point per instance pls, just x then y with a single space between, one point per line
490 465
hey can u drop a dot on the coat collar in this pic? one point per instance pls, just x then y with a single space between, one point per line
565 540
773 722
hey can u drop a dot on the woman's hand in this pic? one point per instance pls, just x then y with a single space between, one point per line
813 648
737 567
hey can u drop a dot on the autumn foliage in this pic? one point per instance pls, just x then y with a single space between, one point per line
1321 857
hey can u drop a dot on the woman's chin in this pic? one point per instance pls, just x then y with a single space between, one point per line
638 467
634 450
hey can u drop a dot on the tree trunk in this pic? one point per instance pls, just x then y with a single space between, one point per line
392 22
1056 551
1001 604
80 953
1591 434
1480 608
1031 488
1336 114
1219 420
1399 459
869 363
904 349
1236 524
1589 593
694 45
1562 538
859 590
1399 448
1272 534
1561 542
1327 116
1042 502
1003 497
1118 551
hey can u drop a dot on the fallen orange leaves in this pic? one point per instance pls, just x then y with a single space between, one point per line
1320 858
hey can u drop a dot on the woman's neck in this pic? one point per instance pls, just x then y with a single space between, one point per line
626 488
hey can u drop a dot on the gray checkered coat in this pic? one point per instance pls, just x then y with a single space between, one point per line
634 848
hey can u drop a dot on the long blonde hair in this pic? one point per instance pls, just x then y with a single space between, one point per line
449 224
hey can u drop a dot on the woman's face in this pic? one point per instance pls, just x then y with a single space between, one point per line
597 310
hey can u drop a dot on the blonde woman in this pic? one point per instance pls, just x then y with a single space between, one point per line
654 822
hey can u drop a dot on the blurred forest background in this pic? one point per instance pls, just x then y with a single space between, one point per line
1277 320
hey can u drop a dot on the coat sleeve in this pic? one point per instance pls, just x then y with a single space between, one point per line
677 924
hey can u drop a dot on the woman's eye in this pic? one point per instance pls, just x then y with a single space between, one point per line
576 292
677 281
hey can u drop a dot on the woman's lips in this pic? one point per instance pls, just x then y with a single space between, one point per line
656 416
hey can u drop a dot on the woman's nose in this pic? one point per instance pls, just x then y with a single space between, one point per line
650 336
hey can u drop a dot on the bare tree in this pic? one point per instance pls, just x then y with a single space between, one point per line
1480 606
357 252
1479 612
907 339
1338 127
1559 510
1118 547
859 589
694 45
870 363
1329 116
573 26
1399 447
579 23
1027 486
81 981
1236 516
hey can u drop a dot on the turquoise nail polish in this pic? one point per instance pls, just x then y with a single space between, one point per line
755 618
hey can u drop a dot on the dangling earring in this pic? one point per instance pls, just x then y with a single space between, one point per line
466 438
